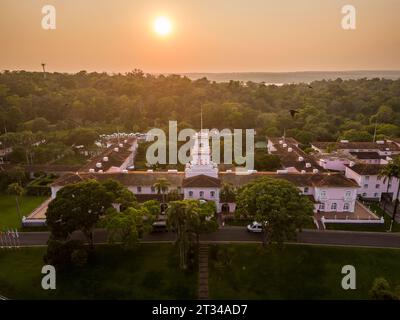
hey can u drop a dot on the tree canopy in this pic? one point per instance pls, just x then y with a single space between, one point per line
276 204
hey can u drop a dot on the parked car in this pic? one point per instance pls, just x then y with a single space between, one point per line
255 227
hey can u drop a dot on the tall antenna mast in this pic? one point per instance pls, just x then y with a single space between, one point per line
375 131
44 69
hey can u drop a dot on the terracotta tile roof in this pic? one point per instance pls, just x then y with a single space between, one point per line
298 179
386 146
291 159
134 178
367 169
367 155
201 181
115 159
142 178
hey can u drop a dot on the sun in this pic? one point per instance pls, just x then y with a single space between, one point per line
162 26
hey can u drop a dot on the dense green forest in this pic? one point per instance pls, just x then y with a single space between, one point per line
63 110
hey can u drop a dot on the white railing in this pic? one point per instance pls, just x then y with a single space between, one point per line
355 220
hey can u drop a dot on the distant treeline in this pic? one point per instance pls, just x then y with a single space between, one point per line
72 108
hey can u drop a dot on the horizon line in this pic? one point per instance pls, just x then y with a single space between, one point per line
206 72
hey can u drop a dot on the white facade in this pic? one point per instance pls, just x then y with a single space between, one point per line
335 199
372 185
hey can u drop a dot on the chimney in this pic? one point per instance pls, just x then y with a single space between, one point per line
281 171
301 159
315 171
290 149
251 171
98 165
308 165
105 159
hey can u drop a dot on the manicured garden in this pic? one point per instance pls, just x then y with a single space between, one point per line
148 272
8 209
249 271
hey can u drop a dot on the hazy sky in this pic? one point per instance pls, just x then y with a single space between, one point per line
208 35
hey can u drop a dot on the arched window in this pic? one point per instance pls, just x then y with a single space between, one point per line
212 194
201 194
334 206
190 194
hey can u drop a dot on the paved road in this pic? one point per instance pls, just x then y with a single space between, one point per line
239 234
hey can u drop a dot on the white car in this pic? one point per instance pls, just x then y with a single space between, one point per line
254 227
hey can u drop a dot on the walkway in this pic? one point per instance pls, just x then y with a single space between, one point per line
203 272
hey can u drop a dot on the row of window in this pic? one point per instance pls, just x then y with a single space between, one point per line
153 189
377 186
376 195
323 194
378 178
201 193
334 206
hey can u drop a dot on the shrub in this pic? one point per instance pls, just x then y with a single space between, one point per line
59 253
79 257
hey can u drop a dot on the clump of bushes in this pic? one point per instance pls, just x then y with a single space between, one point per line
40 186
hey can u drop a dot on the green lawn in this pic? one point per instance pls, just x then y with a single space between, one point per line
149 272
374 206
8 209
250 271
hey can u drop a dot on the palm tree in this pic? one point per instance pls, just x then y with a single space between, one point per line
16 190
387 175
177 220
161 186
392 170
227 193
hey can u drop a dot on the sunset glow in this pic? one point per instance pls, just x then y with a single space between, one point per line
162 26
